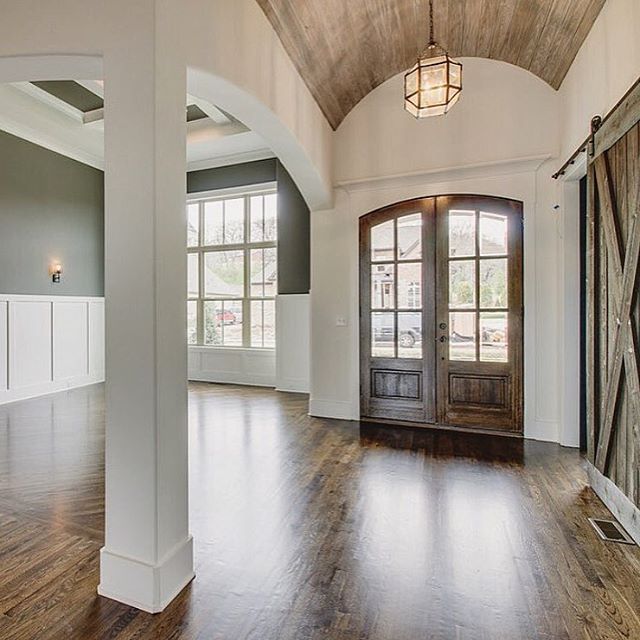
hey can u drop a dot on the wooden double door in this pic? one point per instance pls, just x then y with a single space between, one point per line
441 316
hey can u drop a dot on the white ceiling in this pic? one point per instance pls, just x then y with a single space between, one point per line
37 116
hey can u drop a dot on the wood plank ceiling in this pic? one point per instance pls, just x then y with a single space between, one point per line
345 48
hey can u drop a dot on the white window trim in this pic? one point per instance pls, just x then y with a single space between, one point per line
246 191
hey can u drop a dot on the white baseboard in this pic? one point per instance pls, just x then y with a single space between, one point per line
147 587
338 409
224 377
625 512
293 385
543 430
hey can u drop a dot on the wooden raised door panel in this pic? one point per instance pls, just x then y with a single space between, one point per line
414 366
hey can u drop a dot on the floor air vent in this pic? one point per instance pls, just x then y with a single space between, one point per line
611 531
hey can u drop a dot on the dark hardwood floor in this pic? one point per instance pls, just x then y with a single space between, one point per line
309 529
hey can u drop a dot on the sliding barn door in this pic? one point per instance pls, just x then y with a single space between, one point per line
441 313
613 312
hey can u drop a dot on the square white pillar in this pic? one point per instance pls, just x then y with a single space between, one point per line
147 558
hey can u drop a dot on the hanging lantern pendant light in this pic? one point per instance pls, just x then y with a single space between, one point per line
434 84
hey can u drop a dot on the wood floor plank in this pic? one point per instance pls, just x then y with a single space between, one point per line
310 529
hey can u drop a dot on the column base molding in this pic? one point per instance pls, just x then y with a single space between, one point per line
143 586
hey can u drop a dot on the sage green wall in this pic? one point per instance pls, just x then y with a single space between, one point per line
51 209
293 214
294 237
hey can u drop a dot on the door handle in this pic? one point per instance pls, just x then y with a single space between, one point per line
443 338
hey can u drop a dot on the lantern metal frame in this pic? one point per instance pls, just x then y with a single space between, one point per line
414 92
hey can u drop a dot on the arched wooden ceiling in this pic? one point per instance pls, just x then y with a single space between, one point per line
345 48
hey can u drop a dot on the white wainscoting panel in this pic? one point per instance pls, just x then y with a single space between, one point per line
70 340
29 344
49 344
293 342
256 367
96 339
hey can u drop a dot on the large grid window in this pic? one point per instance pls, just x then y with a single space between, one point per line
232 270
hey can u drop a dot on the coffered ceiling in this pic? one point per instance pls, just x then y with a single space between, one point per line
67 117
345 48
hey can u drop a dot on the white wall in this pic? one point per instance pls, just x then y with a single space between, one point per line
293 336
256 367
606 66
49 343
497 141
504 113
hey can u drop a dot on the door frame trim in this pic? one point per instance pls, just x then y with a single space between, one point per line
515 433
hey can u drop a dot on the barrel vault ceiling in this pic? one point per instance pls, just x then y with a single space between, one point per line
345 48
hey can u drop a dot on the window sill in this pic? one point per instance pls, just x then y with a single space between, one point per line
238 350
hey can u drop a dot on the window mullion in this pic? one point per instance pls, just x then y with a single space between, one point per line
200 305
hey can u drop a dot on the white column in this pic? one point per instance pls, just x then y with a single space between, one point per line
147 558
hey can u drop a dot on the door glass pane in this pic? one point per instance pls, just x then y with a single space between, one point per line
213 222
494 337
410 335
382 242
193 275
493 283
462 284
493 234
410 237
192 322
410 285
224 274
462 233
382 286
193 224
264 273
234 221
383 332
462 336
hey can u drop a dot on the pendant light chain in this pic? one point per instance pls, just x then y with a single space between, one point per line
431 39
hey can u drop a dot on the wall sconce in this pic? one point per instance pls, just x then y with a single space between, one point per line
56 272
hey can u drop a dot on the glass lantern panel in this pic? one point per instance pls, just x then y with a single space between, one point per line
455 74
433 97
411 82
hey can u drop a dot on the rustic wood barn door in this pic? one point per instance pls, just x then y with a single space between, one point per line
441 313
613 311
